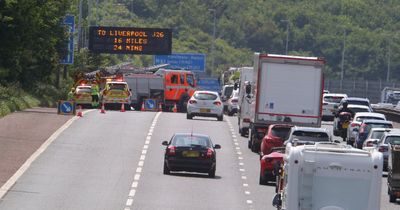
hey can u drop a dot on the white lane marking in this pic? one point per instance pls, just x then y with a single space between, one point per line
12 180
132 193
139 169
134 184
137 177
129 202
240 158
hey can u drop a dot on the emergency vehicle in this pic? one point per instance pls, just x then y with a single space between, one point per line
82 95
329 176
115 93
166 86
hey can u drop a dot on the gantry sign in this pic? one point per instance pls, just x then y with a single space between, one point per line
128 40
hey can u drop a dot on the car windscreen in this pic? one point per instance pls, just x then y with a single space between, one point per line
355 102
310 136
83 89
377 134
333 99
359 119
281 132
228 91
190 141
117 86
205 96
392 140
377 125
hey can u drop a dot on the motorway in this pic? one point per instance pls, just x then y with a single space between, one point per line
114 161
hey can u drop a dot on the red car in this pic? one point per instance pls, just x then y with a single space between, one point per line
270 165
276 135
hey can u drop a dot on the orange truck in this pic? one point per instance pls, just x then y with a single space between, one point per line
167 87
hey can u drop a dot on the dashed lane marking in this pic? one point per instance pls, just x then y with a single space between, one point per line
139 169
241 164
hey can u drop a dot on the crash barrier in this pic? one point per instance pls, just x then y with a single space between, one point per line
391 114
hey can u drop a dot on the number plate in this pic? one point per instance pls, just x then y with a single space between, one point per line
204 110
190 154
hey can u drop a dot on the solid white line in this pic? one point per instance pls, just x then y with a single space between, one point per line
12 180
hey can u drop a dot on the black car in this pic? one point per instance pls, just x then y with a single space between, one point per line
190 152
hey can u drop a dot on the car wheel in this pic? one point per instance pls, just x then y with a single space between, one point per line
166 170
254 147
240 131
189 116
220 118
211 174
392 198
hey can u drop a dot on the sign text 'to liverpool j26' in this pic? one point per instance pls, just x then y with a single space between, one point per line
128 40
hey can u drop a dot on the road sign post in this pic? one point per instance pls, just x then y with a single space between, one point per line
70 23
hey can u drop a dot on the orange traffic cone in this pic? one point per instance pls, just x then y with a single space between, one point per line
102 111
159 107
142 109
122 107
175 109
79 114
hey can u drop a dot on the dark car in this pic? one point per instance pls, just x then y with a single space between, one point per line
190 152
366 126
276 135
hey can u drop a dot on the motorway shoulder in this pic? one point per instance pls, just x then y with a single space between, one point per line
22 133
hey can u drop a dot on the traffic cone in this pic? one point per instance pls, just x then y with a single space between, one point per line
142 109
79 114
175 109
122 107
102 111
159 107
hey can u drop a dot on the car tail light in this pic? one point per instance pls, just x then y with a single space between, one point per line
247 120
383 149
353 124
210 153
261 130
171 150
234 100
217 103
192 102
370 144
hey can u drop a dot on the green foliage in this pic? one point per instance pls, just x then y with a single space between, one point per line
14 99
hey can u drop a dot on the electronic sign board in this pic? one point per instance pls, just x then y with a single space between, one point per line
128 40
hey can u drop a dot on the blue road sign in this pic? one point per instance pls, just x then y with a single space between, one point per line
211 84
66 107
70 23
186 61
150 104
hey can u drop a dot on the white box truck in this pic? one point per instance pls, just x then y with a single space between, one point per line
245 100
329 176
287 89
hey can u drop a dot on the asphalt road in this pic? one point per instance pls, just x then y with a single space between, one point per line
114 161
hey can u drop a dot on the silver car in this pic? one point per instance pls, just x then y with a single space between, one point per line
308 135
205 104
392 137
352 130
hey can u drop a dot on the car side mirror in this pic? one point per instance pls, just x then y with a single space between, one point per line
217 146
165 143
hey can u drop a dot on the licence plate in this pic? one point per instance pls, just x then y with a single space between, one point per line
204 110
345 125
190 154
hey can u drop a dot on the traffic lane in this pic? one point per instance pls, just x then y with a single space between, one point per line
190 190
261 195
385 204
89 166
22 133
